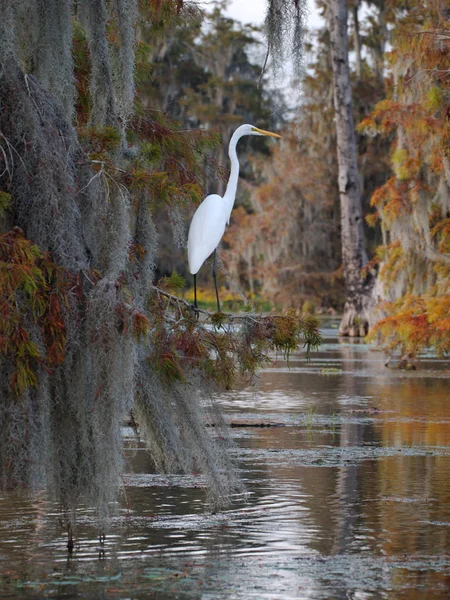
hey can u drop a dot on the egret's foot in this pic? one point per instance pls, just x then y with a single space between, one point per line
196 311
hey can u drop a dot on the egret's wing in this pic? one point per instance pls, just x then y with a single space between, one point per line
206 231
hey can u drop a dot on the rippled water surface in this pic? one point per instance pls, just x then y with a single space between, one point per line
349 498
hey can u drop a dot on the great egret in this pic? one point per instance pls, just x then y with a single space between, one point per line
209 220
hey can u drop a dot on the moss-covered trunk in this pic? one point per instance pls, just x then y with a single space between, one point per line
355 318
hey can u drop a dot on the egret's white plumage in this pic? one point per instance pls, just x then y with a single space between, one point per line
213 214
206 231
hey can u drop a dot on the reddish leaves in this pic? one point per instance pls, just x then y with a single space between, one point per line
33 290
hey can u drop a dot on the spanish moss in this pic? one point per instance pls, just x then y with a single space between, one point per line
285 30
73 224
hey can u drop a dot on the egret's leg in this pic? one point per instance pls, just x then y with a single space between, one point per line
215 279
195 291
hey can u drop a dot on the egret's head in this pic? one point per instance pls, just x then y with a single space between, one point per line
252 130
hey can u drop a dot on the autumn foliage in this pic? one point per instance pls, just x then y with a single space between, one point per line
413 205
33 289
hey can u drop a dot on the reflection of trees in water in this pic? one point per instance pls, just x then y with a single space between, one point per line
358 511
414 492
378 509
360 506
375 515
350 489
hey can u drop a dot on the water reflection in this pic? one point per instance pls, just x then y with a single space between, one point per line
349 497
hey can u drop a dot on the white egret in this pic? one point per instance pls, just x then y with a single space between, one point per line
209 220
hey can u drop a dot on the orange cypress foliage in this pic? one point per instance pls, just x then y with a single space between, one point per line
414 204
33 289
414 323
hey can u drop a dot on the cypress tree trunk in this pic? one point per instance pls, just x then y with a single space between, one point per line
355 318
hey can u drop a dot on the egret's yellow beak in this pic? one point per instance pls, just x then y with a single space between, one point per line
263 132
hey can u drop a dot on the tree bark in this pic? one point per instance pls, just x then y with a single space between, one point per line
355 318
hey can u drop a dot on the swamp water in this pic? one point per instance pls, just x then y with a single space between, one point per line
349 498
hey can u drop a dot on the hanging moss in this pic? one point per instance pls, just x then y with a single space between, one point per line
93 16
85 337
125 13
53 52
285 30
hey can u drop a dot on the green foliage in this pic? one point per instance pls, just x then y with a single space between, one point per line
399 162
173 284
99 140
309 307
435 98
5 200
150 153
166 166
166 363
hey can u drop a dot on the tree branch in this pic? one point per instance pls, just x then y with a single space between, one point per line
176 299
434 255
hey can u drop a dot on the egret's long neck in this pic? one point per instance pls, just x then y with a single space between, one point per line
230 192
